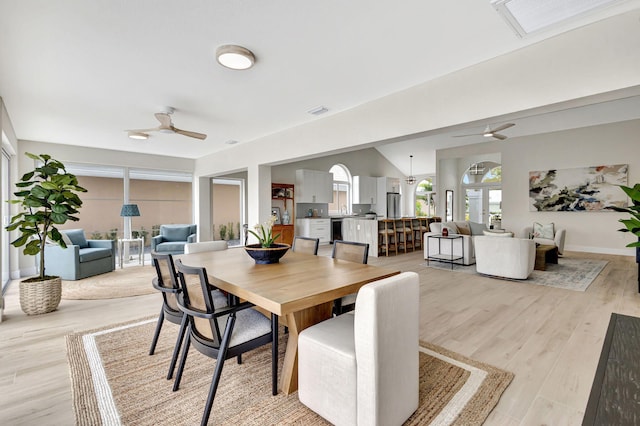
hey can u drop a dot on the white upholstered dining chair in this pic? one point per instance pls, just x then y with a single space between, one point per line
205 246
362 369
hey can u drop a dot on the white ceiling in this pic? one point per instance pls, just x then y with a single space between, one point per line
80 72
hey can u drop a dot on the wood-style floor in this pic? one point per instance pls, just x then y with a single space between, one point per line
549 338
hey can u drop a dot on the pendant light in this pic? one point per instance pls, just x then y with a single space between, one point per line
411 179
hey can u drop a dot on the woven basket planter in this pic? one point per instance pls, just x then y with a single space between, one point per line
40 297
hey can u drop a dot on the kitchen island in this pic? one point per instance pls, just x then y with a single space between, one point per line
361 230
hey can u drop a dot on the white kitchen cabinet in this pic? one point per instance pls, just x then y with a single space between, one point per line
314 228
365 189
385 184
314 186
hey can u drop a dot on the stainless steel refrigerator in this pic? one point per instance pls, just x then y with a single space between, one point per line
393 205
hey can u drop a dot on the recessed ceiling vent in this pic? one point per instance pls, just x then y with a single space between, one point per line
528 16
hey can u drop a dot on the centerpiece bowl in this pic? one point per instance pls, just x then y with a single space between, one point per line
266 255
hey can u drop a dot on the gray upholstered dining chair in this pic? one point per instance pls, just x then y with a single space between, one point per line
220 333
352 252
305 245
362 369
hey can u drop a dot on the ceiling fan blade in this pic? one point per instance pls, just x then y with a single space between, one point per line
464 136
164 119
196 135
504 126
499 136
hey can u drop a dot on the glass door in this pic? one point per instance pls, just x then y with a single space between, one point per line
484 205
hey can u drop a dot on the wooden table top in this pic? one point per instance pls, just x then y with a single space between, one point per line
297 282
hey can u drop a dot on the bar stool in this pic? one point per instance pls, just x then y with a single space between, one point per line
404 233
387 235
419 228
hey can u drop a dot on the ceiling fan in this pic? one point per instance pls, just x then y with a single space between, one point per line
490 133
166 126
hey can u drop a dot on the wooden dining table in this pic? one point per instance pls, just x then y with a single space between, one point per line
301 288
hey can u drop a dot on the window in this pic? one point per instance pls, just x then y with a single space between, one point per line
425 198
341 191
482 183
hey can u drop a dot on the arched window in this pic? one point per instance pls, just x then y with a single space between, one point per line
341 190
425 198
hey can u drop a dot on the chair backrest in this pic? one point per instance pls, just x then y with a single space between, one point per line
386 344
205 246
305 245
196 296
351 251
173 233
75 237
166 279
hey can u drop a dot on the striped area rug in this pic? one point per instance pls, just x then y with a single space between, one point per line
116 382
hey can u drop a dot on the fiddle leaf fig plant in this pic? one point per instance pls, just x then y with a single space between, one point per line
632 224
48 196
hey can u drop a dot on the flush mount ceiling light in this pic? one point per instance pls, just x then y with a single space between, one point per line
476 169
528 16
138 135
231 142
235 57
411 178
318 110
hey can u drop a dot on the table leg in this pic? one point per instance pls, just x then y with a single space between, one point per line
297 322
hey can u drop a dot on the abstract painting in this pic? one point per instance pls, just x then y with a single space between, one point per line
578 189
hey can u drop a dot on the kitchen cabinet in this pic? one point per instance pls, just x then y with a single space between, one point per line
314 186
365 190
314 228
361 231
385 184
286 234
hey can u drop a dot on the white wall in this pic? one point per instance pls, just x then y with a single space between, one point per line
591 146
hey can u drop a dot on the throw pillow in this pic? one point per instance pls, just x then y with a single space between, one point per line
477 228
453 229
464 228
541 230
77 238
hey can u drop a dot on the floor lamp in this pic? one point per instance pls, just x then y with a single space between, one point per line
128 211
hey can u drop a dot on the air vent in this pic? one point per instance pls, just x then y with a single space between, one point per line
318 110
528 16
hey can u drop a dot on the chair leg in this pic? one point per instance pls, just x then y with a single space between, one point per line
222 355
337 307
183 359
274 354
239 358
154 342
176 349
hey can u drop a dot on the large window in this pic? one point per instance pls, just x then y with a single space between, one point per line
341 191
162 198
482 183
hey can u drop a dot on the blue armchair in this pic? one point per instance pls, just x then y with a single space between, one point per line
81 259
172 238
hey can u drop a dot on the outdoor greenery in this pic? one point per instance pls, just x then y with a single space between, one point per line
48 196
223 231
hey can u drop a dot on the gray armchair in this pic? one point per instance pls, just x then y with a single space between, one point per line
172 238
81 259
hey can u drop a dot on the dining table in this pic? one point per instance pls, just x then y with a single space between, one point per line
300 288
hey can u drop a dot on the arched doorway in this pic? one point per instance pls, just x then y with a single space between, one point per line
425 198
482 185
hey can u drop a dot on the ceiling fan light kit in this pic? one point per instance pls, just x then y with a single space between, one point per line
138 135
490 133
235 57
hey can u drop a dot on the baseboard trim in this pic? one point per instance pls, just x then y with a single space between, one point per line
625 251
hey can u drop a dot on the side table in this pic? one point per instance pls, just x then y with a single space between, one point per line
128 241
443 257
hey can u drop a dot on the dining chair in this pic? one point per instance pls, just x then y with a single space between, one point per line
305 245
166 282
363 369
204 246
352 252
221 333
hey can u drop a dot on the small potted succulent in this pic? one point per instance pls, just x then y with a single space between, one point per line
48 196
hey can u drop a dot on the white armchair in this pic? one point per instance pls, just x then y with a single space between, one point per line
505 257
558 238
362 369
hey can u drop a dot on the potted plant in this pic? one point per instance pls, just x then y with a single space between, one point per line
632 224
48 196
267 250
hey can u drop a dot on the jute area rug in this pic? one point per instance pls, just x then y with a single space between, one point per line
126 282
116 382
569 273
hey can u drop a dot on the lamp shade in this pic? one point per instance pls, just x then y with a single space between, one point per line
129 210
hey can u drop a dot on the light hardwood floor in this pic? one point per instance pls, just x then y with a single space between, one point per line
549 338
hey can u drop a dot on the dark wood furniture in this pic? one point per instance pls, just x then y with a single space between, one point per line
282 196
300 287
545 254
615 393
